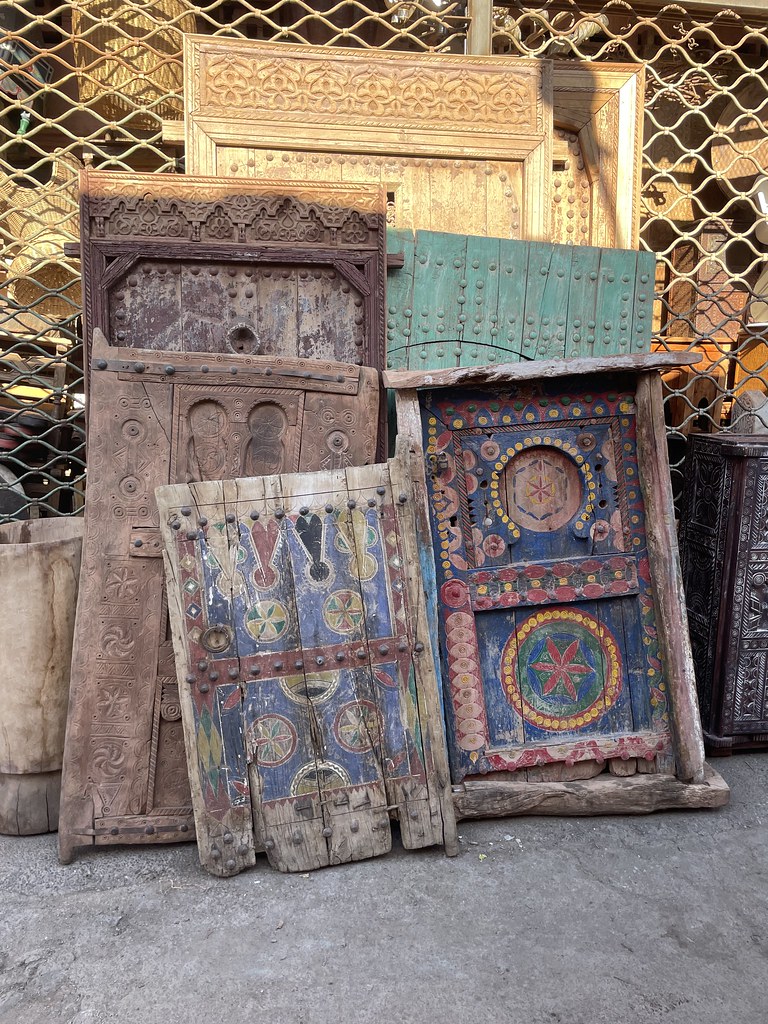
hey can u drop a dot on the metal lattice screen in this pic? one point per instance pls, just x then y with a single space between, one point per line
705 150
96 79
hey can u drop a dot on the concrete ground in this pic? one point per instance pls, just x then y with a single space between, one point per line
538 921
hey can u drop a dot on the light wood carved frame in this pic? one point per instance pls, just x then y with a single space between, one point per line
346 101
602 104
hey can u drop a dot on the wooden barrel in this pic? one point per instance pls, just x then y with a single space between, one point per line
39 571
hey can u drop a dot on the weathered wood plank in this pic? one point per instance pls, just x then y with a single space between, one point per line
400 299
638 794
539 369
582 306
664 559
214 742
441 262
513 261
479 303
546 301
615 320
562 772
407 480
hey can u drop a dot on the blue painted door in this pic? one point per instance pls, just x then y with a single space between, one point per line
547 624
303 668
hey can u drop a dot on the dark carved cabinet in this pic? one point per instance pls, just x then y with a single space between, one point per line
724 549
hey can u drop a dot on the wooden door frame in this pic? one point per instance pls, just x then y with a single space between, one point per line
216 118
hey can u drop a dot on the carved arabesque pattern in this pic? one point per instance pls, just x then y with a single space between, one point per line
337 89
235 218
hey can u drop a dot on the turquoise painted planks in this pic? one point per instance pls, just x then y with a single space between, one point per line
462 300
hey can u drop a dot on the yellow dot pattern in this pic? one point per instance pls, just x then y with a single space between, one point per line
538 441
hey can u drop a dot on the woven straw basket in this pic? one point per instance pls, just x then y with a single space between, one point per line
42 219
128 57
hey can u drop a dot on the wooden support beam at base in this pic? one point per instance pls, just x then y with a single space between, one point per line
495 797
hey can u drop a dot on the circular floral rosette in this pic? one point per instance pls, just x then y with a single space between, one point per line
561 670
266 621
274 739
343 611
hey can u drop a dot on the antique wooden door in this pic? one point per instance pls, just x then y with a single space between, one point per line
187 264
308 690
156 417
547 624
445 136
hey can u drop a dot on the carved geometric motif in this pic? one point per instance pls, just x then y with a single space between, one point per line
563 668
751 692
288 83
542 489
756 601
760 514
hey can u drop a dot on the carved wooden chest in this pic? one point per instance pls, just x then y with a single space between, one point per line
724 550
156 418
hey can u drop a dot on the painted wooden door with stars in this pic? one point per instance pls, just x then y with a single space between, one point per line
308 691
548 635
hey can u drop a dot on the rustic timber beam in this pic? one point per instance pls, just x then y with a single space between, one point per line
495 797
510 373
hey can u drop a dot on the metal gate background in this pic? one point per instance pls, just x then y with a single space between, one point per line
95 79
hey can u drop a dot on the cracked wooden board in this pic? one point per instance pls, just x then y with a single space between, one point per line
460 300
561 616
307 686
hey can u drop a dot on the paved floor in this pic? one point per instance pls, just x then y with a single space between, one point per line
538 921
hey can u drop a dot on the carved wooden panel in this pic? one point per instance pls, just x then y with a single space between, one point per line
156 418
179 263
598 122
460 300
308 692
724 548
542 574
445 136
